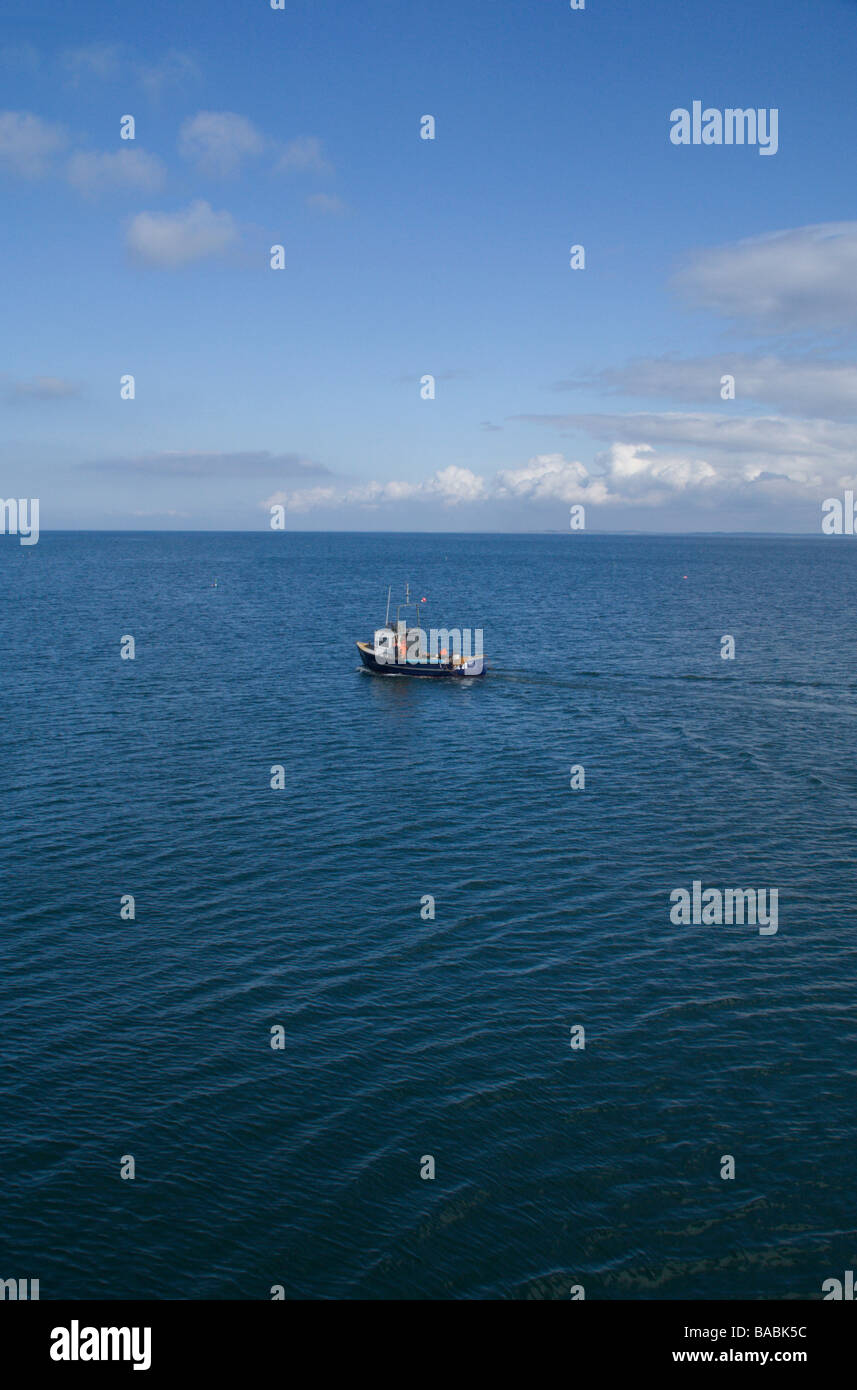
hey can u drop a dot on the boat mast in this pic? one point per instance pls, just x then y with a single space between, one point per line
387 618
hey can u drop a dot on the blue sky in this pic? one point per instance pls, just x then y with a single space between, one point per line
407 257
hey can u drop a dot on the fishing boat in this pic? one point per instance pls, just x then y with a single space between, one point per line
401 648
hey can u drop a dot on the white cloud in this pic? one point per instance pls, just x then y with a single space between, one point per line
449 486
306 499
126 167
304 154
548 478
637 471
453 485
173 239
765 436
624 473
801 456
803 278
28 144
660 459
218 142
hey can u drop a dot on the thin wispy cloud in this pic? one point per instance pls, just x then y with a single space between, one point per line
106 62
327 203
220 144
804 385
198 464
778 436
449 374
102 62
174 72
304 154
40 388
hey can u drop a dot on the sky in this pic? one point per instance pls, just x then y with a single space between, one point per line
303 387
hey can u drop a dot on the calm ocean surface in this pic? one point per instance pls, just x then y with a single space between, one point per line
405 1037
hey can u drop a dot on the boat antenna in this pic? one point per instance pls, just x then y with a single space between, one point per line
387 618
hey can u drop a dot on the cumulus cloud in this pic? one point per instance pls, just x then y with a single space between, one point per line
454 485
624 473
546 478
169 240
636 471
304 154
127 167
800 279
549 478
804 455
218 142
449 486
198 464
28 144
651 460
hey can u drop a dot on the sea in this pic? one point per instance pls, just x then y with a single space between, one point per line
403 1010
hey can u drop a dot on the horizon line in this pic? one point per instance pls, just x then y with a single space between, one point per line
337 531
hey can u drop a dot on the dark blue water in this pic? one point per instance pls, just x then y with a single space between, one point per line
403 1037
